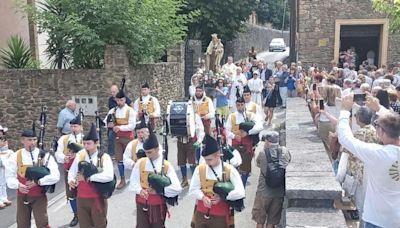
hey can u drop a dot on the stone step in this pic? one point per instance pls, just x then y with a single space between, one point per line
314 218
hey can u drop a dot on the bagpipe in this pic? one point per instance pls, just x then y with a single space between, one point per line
223 187
227 150
158 181
87 169
39 169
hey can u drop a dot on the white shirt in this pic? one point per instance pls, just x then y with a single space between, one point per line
12 168
5 154
127 157
171 191
255 85
229 69
211 109
239 119
121 113
60 148
382 198
259 112
105 176
145 100
199 128
195 185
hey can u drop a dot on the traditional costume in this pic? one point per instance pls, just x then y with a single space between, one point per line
5 153
91 200
186 149
158 179
207 181
69 145
125 118
204 107
33 165
134 150
251 106
248 122
146 106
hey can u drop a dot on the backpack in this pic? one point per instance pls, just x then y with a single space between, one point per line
276 171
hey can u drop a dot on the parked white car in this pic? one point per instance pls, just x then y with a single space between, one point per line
277 44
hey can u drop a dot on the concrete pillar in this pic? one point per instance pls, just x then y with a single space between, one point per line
115 56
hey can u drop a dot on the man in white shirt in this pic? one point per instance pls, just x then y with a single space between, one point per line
147 106
123 122
151 197
229 68
92 206
381 162
240 126
212 209
65 155
31 193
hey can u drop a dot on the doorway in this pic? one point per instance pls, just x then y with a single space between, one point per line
364 35
362 40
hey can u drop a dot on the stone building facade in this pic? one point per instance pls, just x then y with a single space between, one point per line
324 28
24 92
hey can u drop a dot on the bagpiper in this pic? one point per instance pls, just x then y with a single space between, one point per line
122 119
239 127
204 107
90 174
30 170
218 189
147 106
68 146
251 106
134 150
186 149
155 184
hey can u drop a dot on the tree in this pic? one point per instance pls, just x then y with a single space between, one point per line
223 17
79 30
17 55
391 9
272 11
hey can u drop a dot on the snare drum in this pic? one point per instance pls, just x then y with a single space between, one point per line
181 118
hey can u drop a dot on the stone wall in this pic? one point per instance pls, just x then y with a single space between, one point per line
24 92
253 35
317 21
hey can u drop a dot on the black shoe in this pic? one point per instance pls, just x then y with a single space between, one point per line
74 221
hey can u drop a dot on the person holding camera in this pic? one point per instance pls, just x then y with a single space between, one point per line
272 162
381 163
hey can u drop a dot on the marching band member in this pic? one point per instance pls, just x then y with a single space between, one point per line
204 107
122 119
92 207
151 197
212 209
186 150
5 153
31 193
134 150
148 106
239 126
251 106
65 154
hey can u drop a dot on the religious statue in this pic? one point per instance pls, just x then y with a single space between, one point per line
214 54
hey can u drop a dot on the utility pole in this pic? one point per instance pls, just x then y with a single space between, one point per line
284 15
